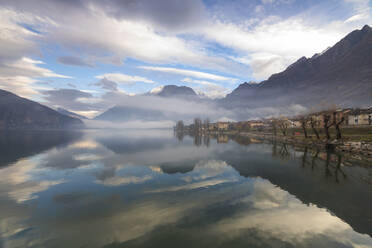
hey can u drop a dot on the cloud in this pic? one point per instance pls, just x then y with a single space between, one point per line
107 84
190 73
19 73
157 89
74 61
361 13
121 78
20 76
15 40
30 68
211 90
123 180
129 39
285 40
166 15
263 65
142 30
67 98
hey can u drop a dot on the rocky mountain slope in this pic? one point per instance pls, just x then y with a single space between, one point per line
18 112
341 75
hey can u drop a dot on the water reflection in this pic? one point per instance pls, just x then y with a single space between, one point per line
17 144
148 189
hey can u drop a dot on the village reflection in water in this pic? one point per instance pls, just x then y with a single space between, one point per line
149 189
313 157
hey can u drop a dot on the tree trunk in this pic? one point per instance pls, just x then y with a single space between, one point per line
314 130
304 128
327 126
337 126
338 131
326 130
312 123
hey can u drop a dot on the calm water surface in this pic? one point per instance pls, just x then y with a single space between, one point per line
151 189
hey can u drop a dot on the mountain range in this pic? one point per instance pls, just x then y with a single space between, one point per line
341 75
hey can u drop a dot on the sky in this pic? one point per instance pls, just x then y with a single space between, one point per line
84 55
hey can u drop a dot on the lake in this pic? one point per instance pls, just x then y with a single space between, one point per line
150 188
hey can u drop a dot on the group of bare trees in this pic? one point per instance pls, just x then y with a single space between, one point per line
198 126
333 119
326 120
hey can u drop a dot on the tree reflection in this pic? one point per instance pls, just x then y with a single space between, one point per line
179 135
331 169
314 159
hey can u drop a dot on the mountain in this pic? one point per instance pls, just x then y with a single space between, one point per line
125 113
71 114
341 75
18 112
128 113
175 91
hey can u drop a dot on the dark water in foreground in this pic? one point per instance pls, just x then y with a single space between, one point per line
149 189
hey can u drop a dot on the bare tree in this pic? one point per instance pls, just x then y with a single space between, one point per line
274 124
327 124
197 125
206 124
313 124
283 125
304 122
337 124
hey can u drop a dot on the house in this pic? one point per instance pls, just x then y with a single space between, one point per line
294 123
212 127
319 117
242 125
223 126
360 117
256 124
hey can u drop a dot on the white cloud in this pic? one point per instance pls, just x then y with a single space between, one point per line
124 79
124 38
123 180
362 11
18 72
157 89
287 40
357 17
264 64
190 73
21 75
211 90
29 67
15 41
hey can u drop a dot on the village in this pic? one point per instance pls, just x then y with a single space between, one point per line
348 130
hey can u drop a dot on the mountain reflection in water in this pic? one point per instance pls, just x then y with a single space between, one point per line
149 189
